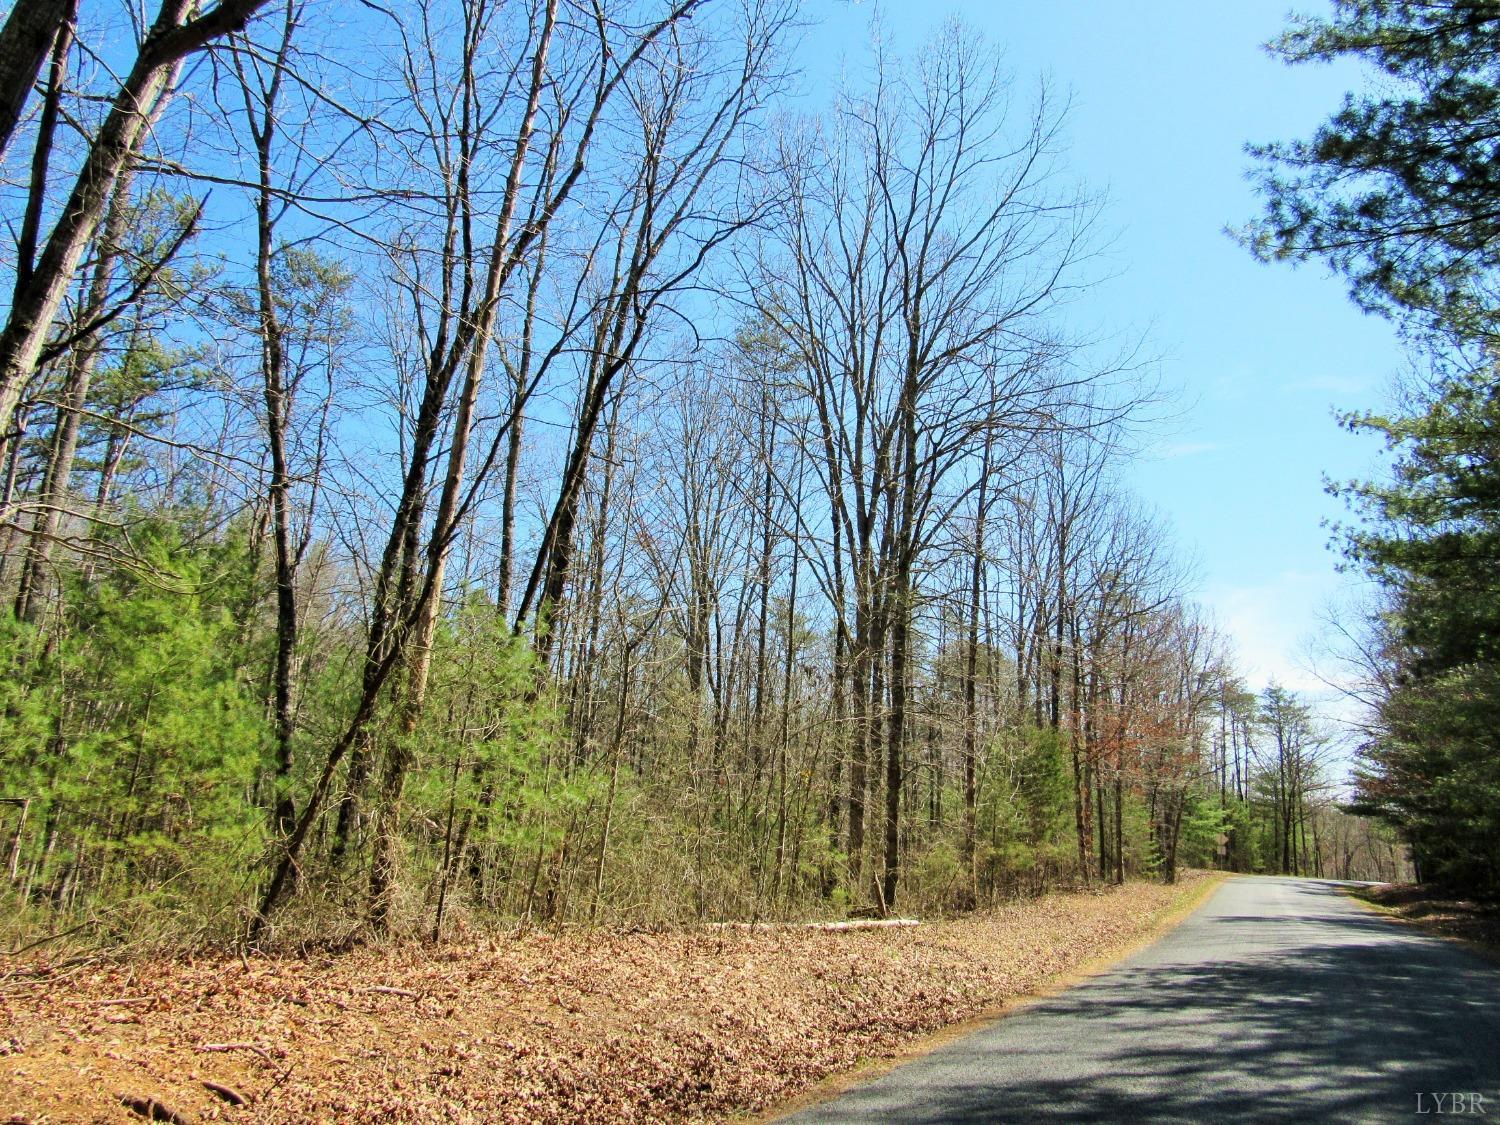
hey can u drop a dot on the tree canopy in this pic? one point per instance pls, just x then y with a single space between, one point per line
1399 190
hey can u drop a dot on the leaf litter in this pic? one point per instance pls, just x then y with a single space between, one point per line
688 1025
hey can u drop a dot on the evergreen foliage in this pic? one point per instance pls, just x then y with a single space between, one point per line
1399 191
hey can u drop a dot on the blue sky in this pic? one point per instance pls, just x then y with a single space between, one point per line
1165 95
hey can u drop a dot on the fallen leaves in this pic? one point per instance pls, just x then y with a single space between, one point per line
1436 912
598 1026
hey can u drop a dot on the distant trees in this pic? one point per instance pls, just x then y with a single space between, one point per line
1288 777
1274 803
1398 191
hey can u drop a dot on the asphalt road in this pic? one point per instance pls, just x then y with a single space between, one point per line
1277 1000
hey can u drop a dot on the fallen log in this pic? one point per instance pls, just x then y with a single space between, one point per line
851 924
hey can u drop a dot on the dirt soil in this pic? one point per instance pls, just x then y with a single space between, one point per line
597 1026
1477 924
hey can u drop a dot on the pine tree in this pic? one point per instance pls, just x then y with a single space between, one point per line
1435 546
1399 190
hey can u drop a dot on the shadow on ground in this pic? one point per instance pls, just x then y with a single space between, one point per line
1325 1012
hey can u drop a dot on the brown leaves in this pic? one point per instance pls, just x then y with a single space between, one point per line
592 1026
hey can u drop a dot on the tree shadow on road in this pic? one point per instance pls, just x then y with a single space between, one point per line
1326 1016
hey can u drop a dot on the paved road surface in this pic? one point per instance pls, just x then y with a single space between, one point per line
1278 1000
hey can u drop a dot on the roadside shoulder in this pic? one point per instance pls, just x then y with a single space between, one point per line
1190 894
1472 925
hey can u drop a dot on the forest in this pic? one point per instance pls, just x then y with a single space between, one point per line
491 461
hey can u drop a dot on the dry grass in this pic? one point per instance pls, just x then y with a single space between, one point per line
581 1027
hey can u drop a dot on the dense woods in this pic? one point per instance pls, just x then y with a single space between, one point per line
1398 193
479 459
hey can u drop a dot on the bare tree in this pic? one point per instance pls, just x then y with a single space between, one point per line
457 304
921 256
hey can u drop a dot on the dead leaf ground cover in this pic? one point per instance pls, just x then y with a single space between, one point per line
594 1026
1476 923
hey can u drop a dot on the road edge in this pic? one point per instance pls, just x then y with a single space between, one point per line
867 1070
1489 954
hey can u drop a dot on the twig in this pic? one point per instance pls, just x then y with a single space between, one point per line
410 995
49 937
285 1074
228 1093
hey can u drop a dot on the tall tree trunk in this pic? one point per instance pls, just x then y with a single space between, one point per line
968 851
1119 828
788 665
277 403
81 365
859 736
895 749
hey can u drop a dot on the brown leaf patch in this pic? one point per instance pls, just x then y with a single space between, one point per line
600 1026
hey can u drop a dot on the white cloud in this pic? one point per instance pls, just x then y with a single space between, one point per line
1276 628
1269 624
